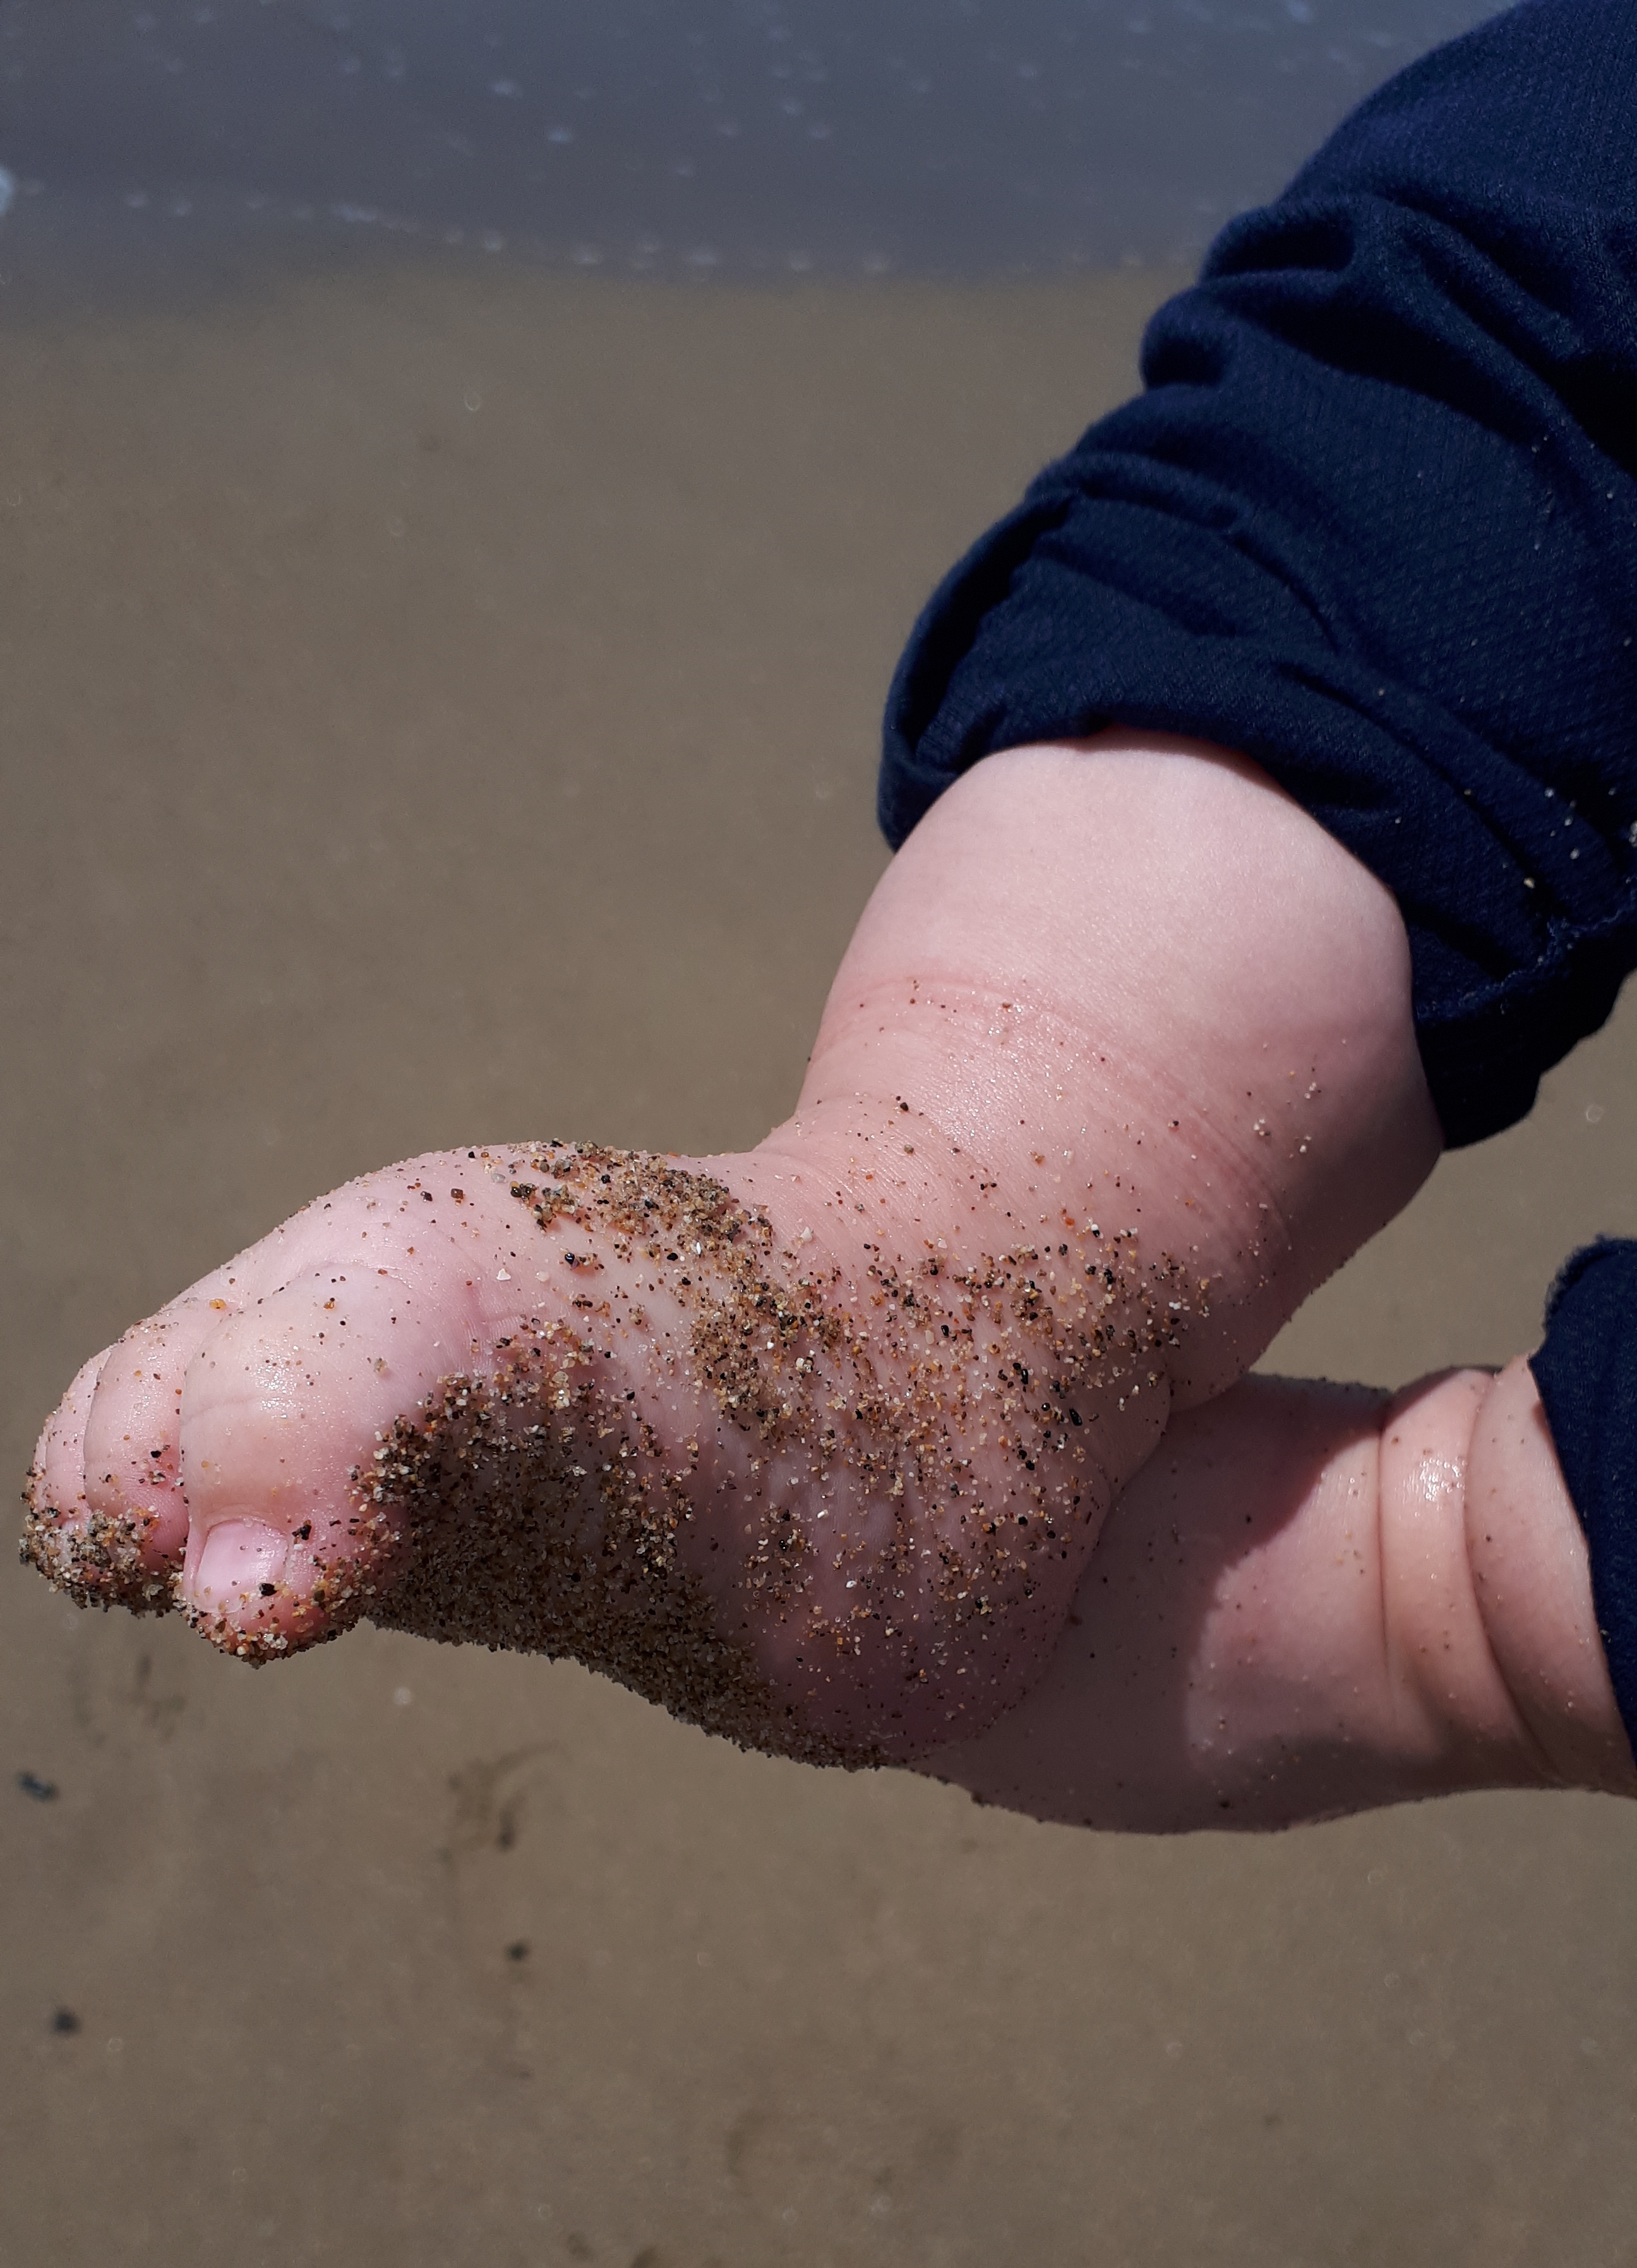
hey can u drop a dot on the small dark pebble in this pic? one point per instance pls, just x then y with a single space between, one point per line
65 2021
519 1951
43 1791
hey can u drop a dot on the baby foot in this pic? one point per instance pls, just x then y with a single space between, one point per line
778 1460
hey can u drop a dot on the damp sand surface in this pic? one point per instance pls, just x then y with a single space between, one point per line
383 653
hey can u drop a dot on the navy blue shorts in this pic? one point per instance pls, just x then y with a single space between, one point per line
1373 522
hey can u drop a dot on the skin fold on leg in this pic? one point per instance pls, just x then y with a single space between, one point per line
813 1445
1313 1598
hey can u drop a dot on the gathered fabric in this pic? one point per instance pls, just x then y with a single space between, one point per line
1373 523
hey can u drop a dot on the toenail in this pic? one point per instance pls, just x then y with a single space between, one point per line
239 1559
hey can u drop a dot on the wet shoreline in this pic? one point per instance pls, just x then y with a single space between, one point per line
753 141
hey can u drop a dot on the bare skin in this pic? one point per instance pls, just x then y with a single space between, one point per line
817 1446
1314 1598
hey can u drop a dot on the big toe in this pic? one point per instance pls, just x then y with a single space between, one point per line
211 1461
222 1458
286 1403
283 1406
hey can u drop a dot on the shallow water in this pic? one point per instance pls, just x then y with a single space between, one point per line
746 137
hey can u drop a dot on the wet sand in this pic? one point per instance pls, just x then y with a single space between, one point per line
439 703
824 137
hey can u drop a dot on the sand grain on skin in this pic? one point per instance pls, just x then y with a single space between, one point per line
872 1524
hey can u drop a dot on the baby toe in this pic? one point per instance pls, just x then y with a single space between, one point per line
57 1514
107 1521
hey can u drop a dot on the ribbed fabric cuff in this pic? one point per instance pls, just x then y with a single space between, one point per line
1587 1373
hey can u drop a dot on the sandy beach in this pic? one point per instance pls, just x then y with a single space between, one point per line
439 703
